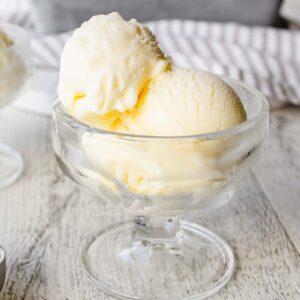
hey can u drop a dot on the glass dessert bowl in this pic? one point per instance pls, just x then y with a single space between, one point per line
157 179
15 70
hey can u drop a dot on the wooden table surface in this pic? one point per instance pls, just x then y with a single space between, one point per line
45 219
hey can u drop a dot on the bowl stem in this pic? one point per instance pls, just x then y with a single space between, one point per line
157 229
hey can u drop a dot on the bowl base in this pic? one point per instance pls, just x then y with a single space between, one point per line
195 265
11 165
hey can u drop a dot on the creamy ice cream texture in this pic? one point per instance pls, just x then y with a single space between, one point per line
185 102
115 77
107 63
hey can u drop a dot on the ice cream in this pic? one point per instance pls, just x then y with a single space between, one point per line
5 40
115 77
106 64
158 168
12 70
185 102
5 44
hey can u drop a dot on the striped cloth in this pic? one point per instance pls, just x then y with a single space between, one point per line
18 12
266 58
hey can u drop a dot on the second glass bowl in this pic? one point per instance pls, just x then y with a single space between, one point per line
15 71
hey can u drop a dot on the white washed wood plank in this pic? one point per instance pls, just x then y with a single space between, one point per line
279 170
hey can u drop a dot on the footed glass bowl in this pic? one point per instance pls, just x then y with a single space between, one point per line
156 179
15 71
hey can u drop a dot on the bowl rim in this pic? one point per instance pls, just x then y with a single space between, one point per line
262 113
23 38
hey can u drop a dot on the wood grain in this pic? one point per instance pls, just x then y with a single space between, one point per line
45 220
279 170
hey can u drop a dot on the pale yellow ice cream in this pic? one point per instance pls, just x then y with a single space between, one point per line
5 43
148 96
106 64
5 40
155 168
185 102
177 103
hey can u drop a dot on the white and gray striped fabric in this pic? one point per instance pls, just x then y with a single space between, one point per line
266 58
18 12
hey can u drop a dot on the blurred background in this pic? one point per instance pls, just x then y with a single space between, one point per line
255 41
67 14
54 16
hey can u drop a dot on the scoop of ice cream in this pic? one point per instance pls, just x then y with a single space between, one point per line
106 64
185 102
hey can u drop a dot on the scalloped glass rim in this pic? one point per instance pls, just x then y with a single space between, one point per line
261 113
